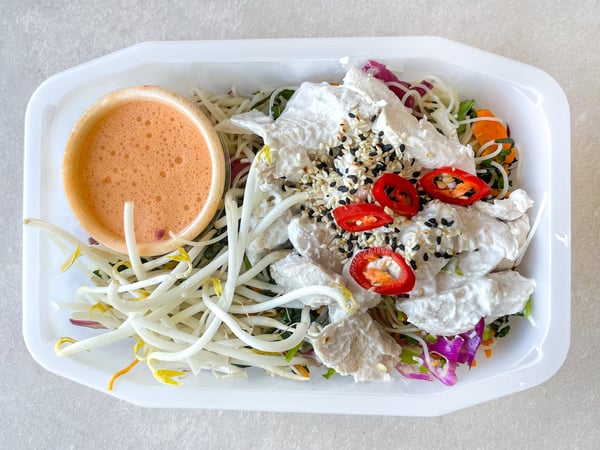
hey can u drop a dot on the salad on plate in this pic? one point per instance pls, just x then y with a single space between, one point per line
371 229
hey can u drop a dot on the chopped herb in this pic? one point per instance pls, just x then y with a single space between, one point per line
330 372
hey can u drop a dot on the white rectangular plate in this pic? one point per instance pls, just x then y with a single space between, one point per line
528 99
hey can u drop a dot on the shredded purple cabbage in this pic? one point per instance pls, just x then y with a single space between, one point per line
398 87
460 349
412 371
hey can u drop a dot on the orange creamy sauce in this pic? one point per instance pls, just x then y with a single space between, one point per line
148 153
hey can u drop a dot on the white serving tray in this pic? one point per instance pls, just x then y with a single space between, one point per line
529 99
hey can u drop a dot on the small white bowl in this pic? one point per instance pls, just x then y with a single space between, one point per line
175 181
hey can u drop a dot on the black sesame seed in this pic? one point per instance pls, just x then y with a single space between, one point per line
380 133
404 295
413 264
373 118
431 223
425 257
368 180
401 247
371 154
402 147
353 178
387 147
380 166
444 222
353 191
351 115
416 174
344 138
342 188
416 247
447 256
438 254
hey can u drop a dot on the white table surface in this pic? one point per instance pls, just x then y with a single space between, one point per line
39 39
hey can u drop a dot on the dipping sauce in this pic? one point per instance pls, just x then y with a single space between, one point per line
144 150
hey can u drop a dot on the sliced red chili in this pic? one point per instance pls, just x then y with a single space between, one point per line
396 193
382 270
455 186
361 216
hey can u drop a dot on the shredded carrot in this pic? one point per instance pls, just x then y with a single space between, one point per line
474 363
490 130
488 352
121 372
302 371
488 341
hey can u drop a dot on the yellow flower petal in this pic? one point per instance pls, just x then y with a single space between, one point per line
182 256
350 306
217 287
61 341
69 262
265 153
99 306
166 376
117 266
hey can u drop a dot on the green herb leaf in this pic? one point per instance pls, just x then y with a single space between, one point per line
278 103
292 352
465 108
330 372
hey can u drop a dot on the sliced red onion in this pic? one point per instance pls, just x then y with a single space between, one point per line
87 323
